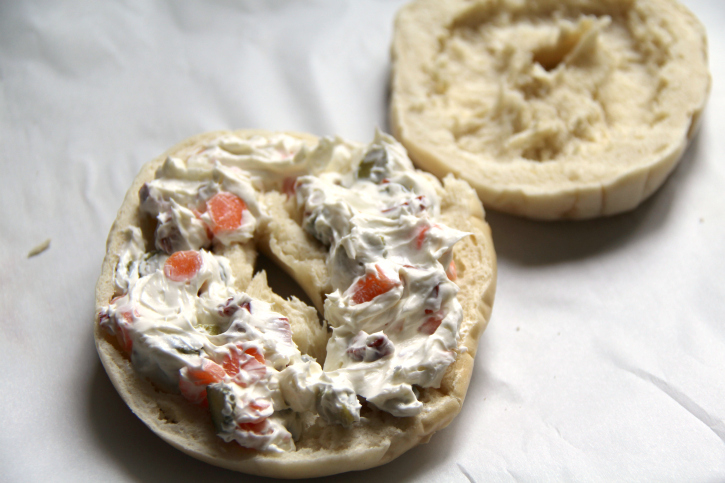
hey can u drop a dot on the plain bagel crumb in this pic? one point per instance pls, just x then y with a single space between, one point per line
549 108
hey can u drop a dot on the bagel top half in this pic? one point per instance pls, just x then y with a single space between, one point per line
321 448
550 109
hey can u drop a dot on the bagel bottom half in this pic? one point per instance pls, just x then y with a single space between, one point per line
322 448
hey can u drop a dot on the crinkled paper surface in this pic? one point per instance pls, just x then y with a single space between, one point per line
605 356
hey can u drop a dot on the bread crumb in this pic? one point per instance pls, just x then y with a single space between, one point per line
37 250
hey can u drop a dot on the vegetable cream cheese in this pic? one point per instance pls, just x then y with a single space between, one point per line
393 311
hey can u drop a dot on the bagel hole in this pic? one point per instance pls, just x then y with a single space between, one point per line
148 224
551 56
280 282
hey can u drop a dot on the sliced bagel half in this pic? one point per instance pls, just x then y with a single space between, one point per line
550 109
321 448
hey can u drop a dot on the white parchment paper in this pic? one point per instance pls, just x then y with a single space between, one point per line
605 356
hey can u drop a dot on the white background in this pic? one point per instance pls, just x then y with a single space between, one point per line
605 356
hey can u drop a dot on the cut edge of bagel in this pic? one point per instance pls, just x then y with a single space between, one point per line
323 449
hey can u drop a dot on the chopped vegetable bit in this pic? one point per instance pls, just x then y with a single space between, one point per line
255 353
259 409
422 205
123 335
431 324
222 404
103 317
194 380
288 186
374 165
182 266
231 306
251 371
451 272
225 210
420 239
118 325
421 236
208 373
369 348
182 346
239 358
372 285
259 404
283 329
170 239
211 329
261 427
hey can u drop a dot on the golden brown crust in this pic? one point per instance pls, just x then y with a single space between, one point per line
549 108
322 449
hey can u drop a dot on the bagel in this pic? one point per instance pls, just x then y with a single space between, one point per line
550 109
168 256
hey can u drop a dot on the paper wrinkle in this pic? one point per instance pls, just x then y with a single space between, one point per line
682 399
513 477
466 473
87 181
561 437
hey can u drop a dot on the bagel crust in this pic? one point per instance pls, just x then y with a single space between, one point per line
321 448
550 109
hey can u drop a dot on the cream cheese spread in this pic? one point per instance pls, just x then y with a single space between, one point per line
393 311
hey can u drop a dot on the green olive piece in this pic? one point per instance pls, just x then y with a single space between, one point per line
221 405
374 165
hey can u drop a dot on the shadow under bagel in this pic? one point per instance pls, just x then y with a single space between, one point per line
536 243
144 456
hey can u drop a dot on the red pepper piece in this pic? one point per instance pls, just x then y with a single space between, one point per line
371 285
182 266
431 324
193 386
451 272
225 210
